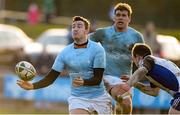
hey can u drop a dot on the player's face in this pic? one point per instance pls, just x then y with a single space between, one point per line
121 20
78 30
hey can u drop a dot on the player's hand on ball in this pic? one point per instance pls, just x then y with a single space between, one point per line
78 81
25 85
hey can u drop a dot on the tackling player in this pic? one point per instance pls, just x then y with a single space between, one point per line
117 41
161 73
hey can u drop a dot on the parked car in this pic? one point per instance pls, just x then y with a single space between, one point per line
52 41
12 40
44 50
170 48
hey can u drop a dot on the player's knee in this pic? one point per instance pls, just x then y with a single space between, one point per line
127 101
124 107
114 91
127 106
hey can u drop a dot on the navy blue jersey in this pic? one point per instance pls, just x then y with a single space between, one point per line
163 72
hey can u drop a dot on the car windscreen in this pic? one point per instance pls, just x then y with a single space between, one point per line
9 39
56 40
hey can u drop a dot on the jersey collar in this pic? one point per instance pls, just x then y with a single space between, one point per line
84 45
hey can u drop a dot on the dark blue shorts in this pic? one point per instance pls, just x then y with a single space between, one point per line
175 102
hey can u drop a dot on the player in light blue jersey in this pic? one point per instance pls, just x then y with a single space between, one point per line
161 73
117 41
85 62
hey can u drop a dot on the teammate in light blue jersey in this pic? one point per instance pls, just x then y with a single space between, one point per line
117 41
85 62
161 73
117 46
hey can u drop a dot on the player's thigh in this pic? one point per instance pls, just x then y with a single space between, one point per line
127 101
111 81
119 90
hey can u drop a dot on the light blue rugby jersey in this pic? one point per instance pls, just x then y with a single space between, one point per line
116 45
81 62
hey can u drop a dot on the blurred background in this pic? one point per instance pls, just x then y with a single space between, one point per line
36 30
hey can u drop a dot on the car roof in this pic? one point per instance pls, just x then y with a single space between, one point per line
14 29
166 39
170 46
56 31
17 31
9 27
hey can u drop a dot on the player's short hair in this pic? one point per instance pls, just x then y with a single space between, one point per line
80 18
123 6
141 49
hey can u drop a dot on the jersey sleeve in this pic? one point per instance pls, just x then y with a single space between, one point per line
100 58
140 38
58 63
148 62
96 36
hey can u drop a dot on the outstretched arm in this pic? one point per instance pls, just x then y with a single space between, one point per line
137 76
46 81
145 88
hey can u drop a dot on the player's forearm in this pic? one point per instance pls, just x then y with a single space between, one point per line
47 80
137 76
96 79
147 89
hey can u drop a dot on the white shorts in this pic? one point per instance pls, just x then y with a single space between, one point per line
112 80
101 104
